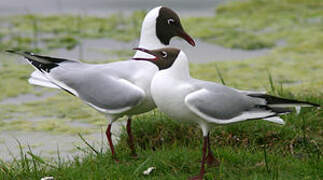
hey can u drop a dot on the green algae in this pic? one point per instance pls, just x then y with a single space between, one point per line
296 66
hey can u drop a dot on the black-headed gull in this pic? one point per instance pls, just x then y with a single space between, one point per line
158 28
208 103
115 89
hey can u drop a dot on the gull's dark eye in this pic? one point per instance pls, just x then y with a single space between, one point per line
170 21
163 54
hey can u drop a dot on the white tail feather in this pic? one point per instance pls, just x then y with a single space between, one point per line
39 82
45 79
277 120
38 75
38 78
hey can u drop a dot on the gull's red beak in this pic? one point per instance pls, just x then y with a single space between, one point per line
187 37
145 51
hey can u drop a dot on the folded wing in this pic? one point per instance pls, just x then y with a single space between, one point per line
227 107
106 93
220 104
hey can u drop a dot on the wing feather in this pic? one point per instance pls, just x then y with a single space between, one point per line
225 107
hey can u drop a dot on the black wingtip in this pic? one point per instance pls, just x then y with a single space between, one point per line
22 53
315 105
272 100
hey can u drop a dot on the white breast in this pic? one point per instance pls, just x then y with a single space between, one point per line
169 94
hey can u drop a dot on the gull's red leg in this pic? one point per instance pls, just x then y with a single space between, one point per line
108 133
202 170
130 139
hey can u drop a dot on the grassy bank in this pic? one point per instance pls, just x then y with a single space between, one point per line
252 150
292 151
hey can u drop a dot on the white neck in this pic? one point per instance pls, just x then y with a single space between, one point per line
148 37
180 68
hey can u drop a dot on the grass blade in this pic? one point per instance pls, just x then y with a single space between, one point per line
219 74
266 158
271 83
89 145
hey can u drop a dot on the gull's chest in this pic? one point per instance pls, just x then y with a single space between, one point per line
166 89
169 95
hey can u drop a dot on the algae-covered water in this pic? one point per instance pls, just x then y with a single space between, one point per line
103 7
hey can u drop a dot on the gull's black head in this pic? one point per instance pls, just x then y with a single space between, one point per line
168 25
163 58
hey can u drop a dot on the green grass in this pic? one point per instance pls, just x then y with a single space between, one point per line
294 70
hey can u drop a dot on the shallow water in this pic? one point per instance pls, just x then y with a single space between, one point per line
46 144
104 7
24 98
207 52
93 50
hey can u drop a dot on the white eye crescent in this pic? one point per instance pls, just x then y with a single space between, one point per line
170 21
164 54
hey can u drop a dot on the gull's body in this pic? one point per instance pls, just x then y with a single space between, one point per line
206 103
115 89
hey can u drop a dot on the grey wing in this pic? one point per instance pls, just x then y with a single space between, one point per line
103 91
222 105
